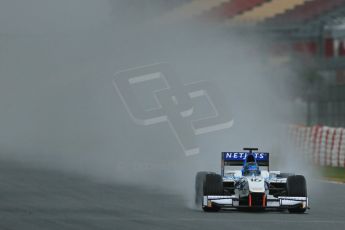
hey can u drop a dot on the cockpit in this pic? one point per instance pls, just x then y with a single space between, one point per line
250 167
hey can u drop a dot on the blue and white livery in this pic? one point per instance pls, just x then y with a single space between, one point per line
245 182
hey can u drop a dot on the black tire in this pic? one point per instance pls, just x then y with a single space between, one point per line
213 185
199 186
296 186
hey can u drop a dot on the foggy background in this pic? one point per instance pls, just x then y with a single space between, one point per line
59 109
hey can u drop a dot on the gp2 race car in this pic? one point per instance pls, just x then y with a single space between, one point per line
246 183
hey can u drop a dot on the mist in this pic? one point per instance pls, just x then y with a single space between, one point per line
59 108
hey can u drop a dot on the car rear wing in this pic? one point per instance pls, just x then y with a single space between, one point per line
238 158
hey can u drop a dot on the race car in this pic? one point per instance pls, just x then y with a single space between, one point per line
246 183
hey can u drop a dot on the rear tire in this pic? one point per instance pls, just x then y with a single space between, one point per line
296 186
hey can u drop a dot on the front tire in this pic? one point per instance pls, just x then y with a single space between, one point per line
213 185
208 183
200 179
296 186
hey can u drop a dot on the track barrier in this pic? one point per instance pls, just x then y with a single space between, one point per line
324 145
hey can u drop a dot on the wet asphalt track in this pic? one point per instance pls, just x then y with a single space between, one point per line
41 199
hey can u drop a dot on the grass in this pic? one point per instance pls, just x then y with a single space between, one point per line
333 173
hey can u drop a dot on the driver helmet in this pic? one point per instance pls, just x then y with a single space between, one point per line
251 168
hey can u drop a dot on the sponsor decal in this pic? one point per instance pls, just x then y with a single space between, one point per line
239 156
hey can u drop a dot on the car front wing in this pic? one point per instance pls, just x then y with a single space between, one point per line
280 202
